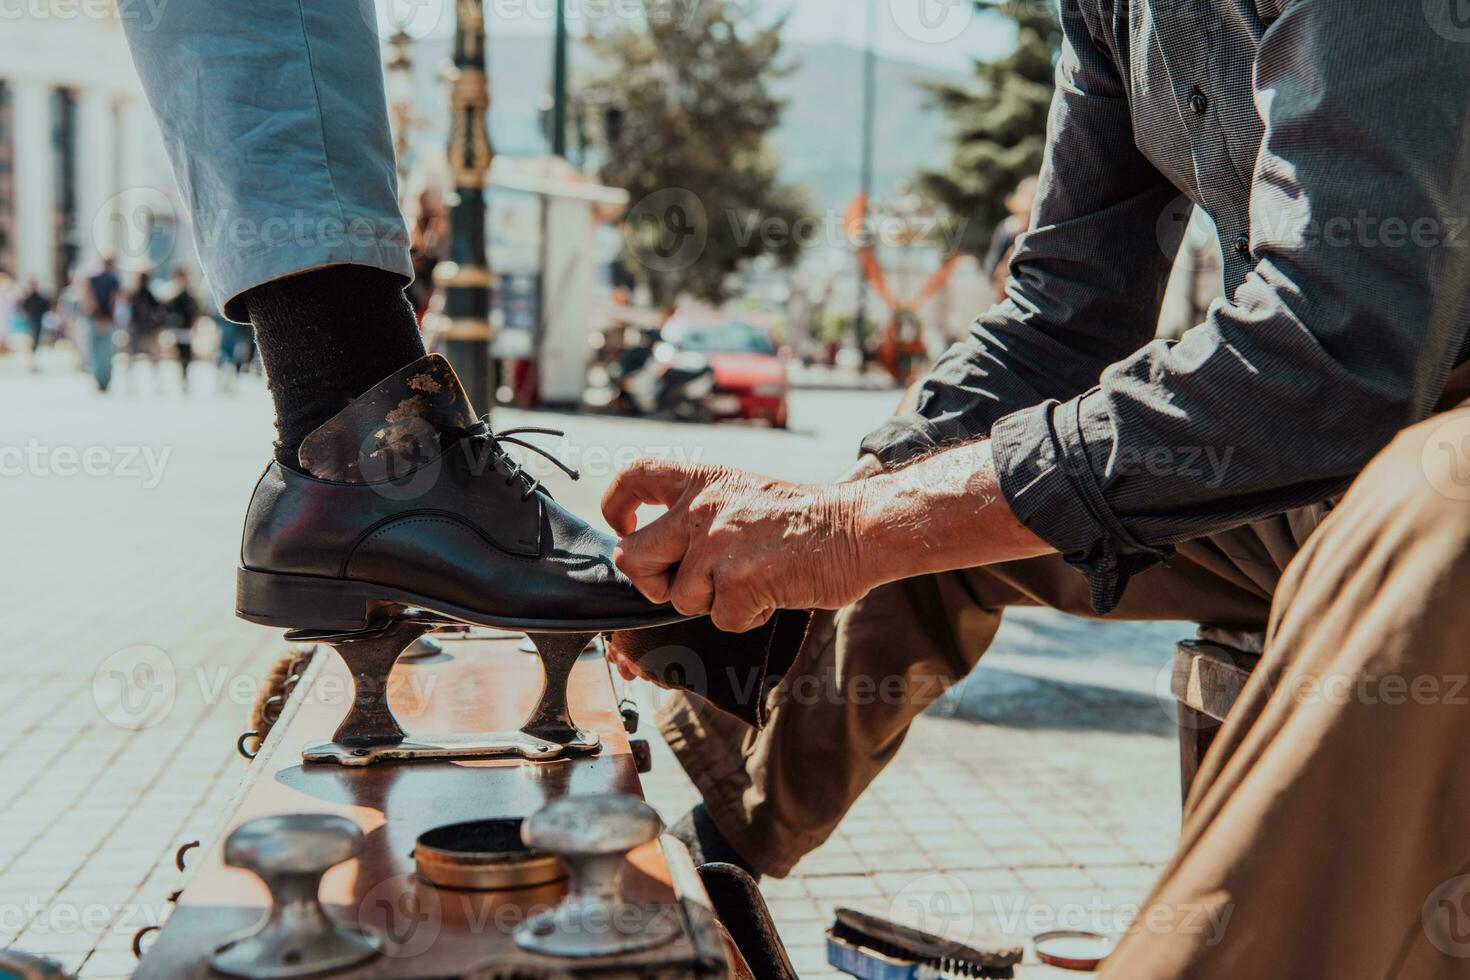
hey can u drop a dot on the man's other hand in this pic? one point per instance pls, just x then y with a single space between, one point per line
734 545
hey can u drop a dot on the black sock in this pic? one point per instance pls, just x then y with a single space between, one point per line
325 337
706 844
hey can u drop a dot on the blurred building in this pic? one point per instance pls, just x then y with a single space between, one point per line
78 146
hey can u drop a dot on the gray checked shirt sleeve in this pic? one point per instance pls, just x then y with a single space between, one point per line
1111 446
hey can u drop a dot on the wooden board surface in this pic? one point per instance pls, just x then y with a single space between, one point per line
475 685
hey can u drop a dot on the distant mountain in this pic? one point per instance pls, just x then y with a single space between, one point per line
820 138
820 133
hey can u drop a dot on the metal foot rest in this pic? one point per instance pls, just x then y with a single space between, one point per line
370 732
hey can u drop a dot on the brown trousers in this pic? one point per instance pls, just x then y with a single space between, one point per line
1331 818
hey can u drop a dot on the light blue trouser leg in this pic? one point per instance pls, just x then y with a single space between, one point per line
274 117
100 350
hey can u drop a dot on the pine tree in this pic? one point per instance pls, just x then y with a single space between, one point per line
695 109
999 124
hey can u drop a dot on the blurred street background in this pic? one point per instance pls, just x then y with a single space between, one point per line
668 277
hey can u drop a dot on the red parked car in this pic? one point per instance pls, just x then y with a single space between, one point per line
750 378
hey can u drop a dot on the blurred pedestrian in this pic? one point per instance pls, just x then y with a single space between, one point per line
227 368
180 312
236 348
1003 242
10 314
99 300
34 306
428 243
145 320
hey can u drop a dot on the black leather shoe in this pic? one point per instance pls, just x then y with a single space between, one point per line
408 500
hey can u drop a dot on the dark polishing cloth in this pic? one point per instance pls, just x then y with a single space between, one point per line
732 671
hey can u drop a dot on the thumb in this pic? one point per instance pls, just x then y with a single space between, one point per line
650 555
645 481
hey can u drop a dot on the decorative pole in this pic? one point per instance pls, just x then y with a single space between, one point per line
465 277
870 108
559 84
398 75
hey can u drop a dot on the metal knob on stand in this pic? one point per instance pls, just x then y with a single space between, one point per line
290 854
593 835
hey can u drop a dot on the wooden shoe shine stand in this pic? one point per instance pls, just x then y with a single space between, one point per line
423 931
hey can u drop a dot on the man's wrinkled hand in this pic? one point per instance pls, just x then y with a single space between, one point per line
734 545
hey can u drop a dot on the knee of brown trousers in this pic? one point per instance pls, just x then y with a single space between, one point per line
1338 784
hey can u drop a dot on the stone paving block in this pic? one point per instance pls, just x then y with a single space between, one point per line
108 964
841 886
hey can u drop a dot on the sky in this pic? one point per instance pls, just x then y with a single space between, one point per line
944 34
947 34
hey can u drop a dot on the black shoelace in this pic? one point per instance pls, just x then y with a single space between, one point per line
515 471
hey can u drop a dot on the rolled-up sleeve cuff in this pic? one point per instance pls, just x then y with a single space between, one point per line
902 438
1042 463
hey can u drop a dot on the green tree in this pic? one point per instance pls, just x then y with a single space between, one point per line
691 90
999 124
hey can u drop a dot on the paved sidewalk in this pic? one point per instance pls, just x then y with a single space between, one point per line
1037 804
1044 799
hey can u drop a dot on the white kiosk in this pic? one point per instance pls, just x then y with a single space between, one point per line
572 207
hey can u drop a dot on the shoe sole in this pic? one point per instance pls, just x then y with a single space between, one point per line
309 602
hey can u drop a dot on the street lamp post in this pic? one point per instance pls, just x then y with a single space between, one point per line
559 84
398 78
870 107
465 277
